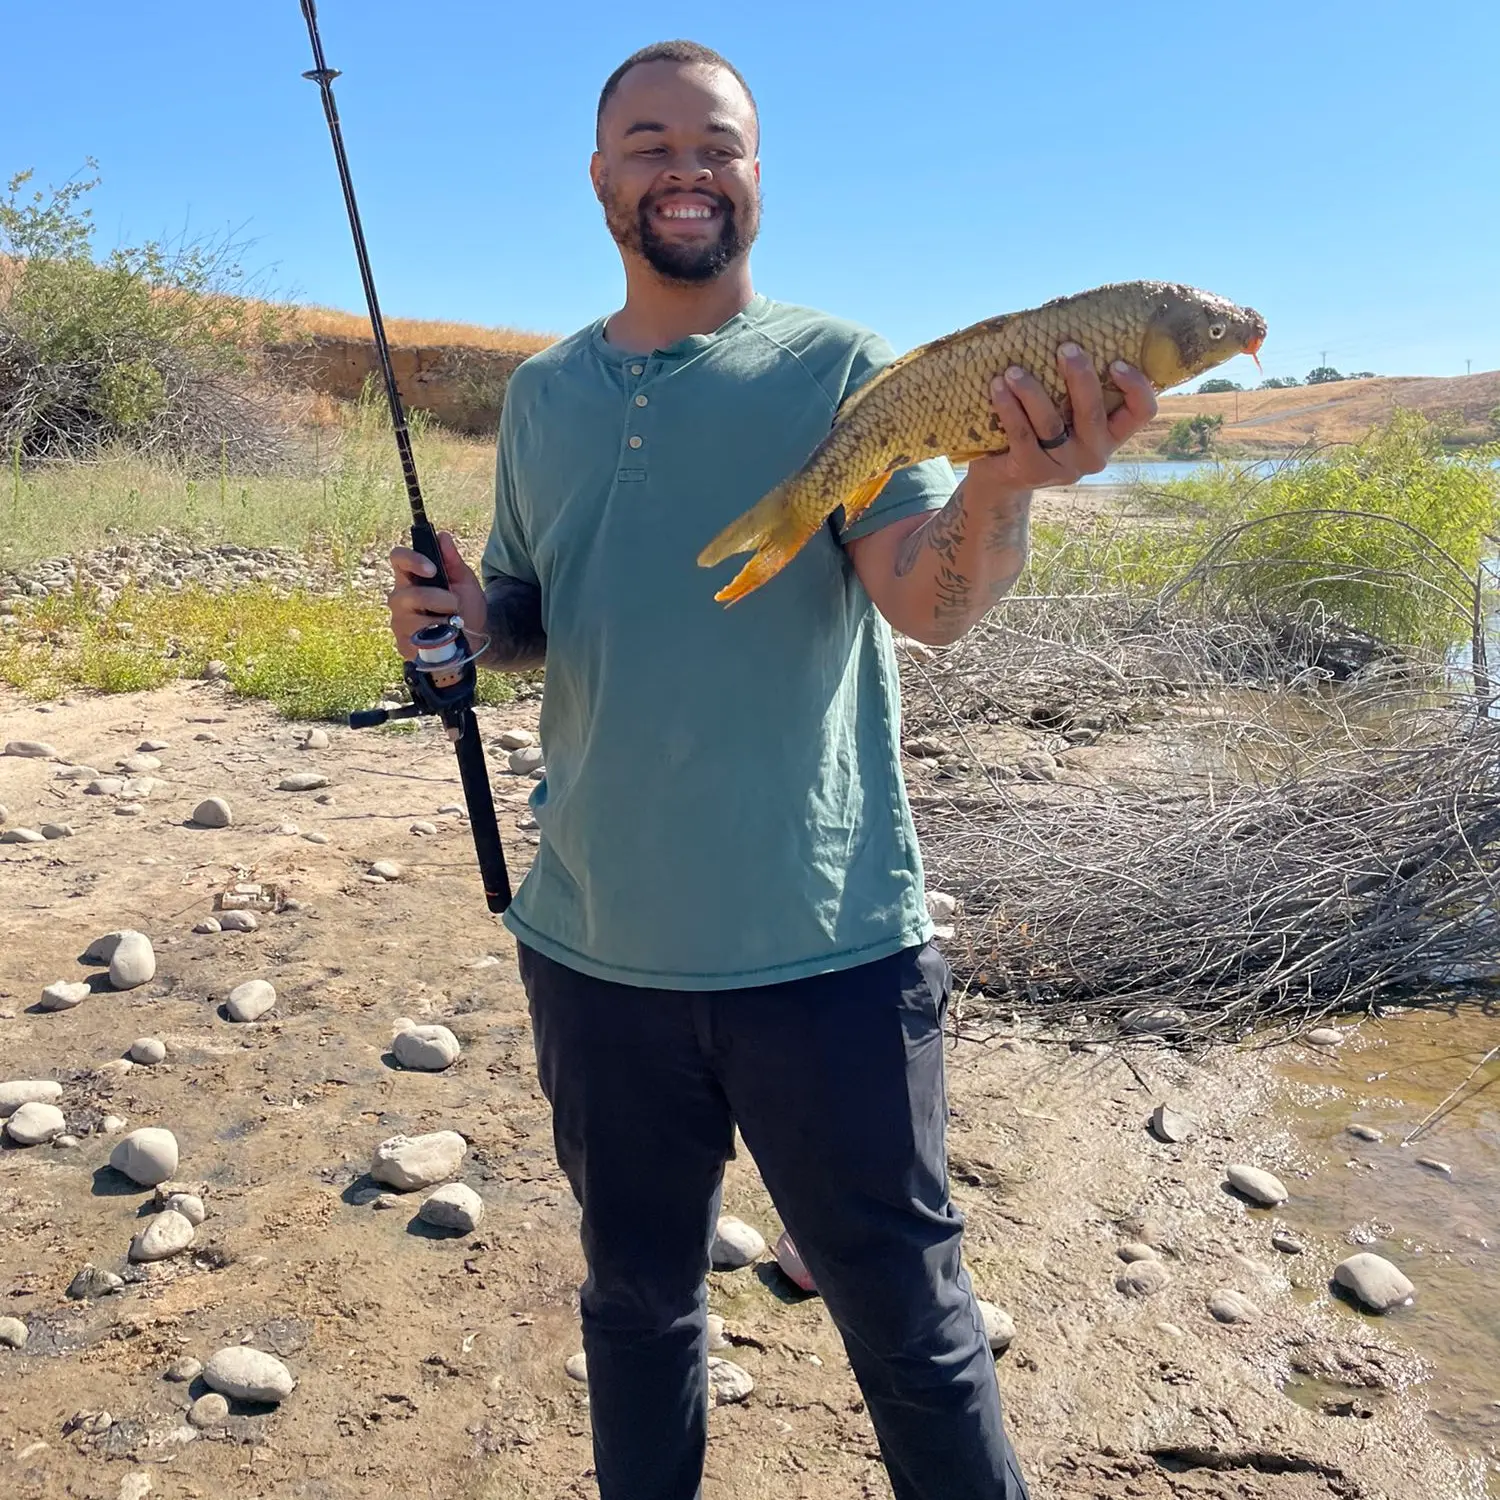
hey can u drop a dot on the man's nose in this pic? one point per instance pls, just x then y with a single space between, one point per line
685 169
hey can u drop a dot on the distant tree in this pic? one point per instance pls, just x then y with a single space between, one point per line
1324 375
1362 375
1279 383
1216 386
1193 436
1494 418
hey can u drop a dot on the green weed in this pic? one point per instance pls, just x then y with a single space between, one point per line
313 656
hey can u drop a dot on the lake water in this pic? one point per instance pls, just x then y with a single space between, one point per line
1163 471
1442 1228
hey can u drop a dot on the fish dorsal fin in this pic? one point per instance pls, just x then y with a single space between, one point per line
960 335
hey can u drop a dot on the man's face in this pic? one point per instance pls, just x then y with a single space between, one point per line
676 169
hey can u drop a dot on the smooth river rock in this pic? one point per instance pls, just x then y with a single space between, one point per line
999 1326
429 1049
28 1091
727 1381
302 781
1257 1185
1374 1280
147 1156
454 1206
1172 1126
248 1374
736 1244
13 1333
211 1410
411 1162
64 994
23 836
238 921
133 962
1325 1036
213 812
1229 1306
168 1233
148 1050
35 1124
251 1000
34 749
1142 1278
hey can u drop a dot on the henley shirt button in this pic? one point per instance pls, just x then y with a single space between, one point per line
637 369
635 442
640 400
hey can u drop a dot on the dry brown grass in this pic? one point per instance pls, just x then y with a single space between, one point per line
336 323
1343 411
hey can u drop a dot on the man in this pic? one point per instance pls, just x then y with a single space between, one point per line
724 925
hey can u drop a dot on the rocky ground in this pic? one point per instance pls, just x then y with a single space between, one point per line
1155 1317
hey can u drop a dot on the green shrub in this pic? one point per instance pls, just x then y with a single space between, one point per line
147 347
1385 535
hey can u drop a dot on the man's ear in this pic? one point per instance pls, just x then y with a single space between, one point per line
596 170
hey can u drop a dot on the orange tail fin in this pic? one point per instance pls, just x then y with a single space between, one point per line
776 535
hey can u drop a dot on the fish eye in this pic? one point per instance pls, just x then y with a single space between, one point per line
1216 330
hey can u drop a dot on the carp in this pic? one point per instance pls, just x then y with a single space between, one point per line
934 401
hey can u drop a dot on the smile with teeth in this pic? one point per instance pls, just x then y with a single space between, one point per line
687 211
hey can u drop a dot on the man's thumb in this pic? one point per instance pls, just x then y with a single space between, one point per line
453 563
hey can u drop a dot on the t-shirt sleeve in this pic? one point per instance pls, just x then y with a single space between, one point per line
912 491
507 551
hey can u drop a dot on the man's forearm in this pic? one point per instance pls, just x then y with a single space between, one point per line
513 622
956 564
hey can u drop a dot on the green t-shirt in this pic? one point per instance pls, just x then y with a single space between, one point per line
723 802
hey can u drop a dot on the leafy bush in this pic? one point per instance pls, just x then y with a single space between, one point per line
1324 375
1386 535
146 349
1192 436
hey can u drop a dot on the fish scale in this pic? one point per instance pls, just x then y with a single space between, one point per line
935 402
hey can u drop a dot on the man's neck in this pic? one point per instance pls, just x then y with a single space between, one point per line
658 313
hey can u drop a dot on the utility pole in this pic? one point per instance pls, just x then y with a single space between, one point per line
1468 367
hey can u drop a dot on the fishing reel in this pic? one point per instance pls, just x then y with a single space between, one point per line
441 679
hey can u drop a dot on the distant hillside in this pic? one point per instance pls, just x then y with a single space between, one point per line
1340 412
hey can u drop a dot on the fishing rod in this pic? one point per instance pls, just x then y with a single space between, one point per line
443 677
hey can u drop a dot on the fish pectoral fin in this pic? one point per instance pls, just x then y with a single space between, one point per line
864 496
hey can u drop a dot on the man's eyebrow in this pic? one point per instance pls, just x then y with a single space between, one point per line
714 126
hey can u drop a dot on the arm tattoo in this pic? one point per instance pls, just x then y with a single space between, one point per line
943 532
954 591
513 621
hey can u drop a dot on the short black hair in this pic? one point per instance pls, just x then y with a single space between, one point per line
678 52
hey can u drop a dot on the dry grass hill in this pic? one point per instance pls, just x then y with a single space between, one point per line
1340 412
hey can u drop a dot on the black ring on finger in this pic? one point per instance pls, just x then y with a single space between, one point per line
1058 441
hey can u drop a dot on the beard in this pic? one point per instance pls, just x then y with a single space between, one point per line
634 229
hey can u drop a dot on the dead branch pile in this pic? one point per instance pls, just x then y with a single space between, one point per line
1041 660
1211 909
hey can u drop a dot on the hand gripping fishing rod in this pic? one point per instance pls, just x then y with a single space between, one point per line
443 676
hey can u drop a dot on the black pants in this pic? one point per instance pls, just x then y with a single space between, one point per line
836 1084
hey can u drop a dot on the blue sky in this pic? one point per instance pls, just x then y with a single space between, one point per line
1334 164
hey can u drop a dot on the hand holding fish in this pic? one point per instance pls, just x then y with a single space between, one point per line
1043 447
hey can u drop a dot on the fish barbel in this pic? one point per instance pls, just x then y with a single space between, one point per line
935 402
